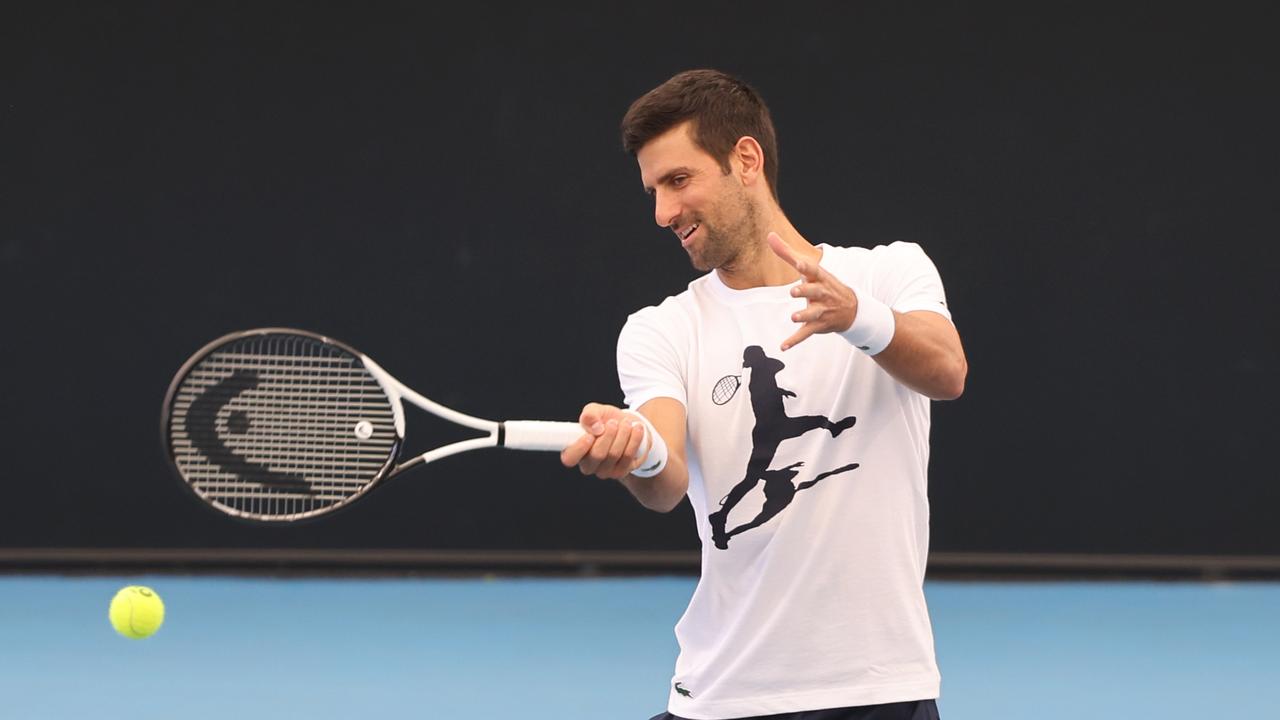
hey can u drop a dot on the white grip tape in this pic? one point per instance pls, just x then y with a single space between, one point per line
656 459
541 434
873 326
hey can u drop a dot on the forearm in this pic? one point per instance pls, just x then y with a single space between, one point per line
664 491
613 441
920 349
926 355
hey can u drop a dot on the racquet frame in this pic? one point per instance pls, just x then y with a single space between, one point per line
514 434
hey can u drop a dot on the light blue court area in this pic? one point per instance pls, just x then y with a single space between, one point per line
598 649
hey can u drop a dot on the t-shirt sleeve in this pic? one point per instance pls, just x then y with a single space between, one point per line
907 280
650 361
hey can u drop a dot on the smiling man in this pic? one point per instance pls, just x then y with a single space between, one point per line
808 602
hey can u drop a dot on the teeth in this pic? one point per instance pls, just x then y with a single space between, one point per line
689 232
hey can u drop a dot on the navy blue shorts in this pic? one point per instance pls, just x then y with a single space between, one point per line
913 710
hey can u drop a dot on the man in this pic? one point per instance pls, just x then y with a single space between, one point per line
809 602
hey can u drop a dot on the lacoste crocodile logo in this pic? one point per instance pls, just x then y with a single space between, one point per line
683 691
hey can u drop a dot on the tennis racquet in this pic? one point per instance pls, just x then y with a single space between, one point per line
275 424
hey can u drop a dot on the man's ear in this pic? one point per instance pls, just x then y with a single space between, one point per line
748 160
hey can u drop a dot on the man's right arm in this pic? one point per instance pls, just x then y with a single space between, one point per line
612 440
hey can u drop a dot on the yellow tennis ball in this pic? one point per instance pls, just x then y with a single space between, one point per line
136 612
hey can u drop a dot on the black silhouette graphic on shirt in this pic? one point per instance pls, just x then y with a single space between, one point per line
773 425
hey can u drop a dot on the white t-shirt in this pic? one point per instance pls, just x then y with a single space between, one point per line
815 600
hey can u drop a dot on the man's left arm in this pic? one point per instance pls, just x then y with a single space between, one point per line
923 349
925 354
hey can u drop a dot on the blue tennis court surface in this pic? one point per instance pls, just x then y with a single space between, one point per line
598 649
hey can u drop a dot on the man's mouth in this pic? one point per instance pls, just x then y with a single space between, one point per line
687 232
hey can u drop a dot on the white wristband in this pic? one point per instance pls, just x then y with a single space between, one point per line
656 459
873 326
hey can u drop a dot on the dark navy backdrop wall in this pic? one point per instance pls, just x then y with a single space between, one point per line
445 190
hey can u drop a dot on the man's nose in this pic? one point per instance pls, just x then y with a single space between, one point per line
665 209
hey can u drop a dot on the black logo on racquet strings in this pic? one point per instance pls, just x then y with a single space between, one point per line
202 427
773 425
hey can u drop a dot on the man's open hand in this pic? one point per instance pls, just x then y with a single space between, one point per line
831 305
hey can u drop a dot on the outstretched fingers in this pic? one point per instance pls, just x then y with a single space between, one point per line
800 335
803 266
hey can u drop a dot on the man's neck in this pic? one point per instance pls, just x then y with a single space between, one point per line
759 266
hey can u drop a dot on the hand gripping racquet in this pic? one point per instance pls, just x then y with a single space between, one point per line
276 424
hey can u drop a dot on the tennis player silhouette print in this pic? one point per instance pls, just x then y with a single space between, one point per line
773 425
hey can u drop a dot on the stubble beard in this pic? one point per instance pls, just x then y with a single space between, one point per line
731 239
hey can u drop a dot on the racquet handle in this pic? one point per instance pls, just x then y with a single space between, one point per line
541 434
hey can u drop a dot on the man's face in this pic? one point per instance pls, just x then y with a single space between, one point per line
710 212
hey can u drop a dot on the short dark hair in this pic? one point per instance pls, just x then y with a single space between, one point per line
722 109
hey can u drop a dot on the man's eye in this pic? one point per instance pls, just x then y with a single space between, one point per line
680 180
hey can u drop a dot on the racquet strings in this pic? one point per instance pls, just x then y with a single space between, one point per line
280 426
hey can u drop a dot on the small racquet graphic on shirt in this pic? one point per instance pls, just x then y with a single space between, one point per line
725 388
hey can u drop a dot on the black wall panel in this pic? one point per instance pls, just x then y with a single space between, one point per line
444 188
